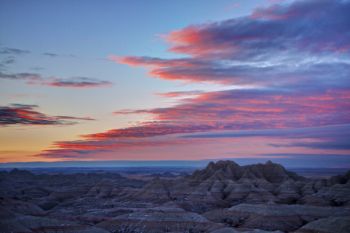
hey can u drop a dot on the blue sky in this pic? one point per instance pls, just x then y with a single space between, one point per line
83 34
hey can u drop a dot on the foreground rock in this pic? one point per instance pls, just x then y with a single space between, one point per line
273 217
232 230
158 220
327 225
13 223
221 198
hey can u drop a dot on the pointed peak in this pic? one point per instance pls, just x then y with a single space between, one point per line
269 162
222 163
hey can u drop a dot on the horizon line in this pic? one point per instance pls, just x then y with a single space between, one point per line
143 163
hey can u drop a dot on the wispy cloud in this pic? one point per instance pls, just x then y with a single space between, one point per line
78 82
13 51
149 130
176 94
258 109
54 55
8 60
74 82
51 54
334 137
24 114
21 76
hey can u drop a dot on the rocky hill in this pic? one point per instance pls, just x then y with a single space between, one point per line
225 183
224 197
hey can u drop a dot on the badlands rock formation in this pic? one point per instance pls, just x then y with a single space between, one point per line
221 198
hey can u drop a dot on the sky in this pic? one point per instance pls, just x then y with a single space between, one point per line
175 80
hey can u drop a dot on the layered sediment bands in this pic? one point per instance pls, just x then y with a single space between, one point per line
224 197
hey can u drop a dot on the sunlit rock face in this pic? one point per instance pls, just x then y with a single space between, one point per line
222 197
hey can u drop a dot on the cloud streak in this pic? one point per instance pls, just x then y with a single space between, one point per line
13 51
258 109
78 82
74 82
22 114
334 137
